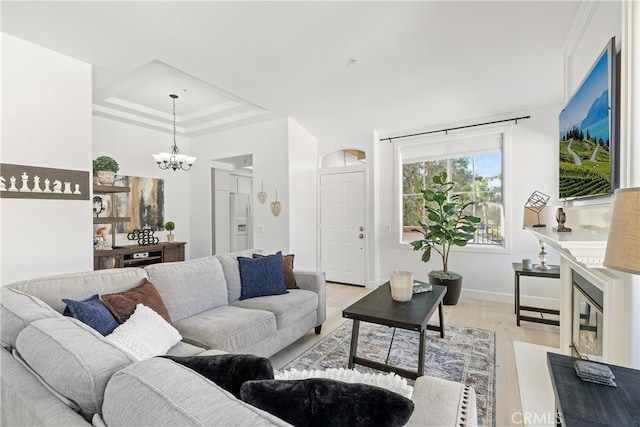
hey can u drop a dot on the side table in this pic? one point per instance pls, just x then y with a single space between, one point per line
582 403
553 272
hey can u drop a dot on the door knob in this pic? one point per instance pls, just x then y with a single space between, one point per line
361 236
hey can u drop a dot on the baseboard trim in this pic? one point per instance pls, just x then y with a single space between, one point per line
532 301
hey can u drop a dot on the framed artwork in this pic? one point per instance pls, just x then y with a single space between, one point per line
144 204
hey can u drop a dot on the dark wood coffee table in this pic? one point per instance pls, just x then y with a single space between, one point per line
582 403
378 307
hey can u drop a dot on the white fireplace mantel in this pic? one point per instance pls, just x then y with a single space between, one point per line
583 251
582 246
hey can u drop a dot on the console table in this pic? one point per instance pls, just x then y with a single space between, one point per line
582 403
553 272
138 255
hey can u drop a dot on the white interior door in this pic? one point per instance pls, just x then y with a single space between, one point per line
342 233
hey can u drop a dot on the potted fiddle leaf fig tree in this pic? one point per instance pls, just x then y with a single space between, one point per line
447 225
170 226
105 168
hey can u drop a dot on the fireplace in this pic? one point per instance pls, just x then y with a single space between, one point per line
608 324
587 337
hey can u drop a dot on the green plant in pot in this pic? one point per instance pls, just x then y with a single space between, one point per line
105 168
170 226
447 225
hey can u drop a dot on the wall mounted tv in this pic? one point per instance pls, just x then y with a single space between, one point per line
588 129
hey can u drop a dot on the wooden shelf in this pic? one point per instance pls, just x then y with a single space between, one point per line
105 189
111 219
112 190
132 262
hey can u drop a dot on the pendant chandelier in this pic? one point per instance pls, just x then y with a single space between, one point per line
174 160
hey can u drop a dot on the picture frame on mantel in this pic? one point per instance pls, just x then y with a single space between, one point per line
35 182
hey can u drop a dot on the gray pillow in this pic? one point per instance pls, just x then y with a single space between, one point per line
18 310
73 359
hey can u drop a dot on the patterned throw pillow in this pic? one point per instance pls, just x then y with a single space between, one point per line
92 312
261 276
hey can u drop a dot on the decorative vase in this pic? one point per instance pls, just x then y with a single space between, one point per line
401 286
106 177
454 288
170 237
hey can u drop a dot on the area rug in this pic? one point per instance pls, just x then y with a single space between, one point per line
465 355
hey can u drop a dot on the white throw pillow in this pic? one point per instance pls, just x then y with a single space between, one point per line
145 334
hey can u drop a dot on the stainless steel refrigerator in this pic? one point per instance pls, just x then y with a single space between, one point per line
241 222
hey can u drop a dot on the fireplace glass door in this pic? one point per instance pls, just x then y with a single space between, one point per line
587 326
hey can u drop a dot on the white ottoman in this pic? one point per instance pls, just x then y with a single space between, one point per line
440 402
437 402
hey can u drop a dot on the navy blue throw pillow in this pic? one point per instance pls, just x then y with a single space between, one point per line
260 277
93 312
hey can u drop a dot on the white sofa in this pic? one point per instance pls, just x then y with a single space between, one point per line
55 370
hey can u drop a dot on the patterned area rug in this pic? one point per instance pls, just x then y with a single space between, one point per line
465 355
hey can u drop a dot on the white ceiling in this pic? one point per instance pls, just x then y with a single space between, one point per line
417 63
140 98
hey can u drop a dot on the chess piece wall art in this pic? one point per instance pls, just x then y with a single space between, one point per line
33 182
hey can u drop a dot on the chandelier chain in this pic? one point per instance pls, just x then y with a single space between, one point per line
175 146
174 160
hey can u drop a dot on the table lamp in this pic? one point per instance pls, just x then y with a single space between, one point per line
623 244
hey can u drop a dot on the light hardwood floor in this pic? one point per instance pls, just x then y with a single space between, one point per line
495 316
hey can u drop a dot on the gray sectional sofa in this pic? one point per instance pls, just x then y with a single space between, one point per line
56 370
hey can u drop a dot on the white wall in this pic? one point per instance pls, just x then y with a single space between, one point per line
267 141
284 159
533 154
46 121
275 145
595 24
303 167
531 164
131 146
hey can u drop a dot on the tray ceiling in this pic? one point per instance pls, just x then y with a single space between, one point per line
142 98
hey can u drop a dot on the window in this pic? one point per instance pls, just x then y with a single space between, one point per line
474 163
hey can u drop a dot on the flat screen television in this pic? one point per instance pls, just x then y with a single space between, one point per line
588 129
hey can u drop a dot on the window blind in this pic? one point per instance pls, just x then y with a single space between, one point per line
421 151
